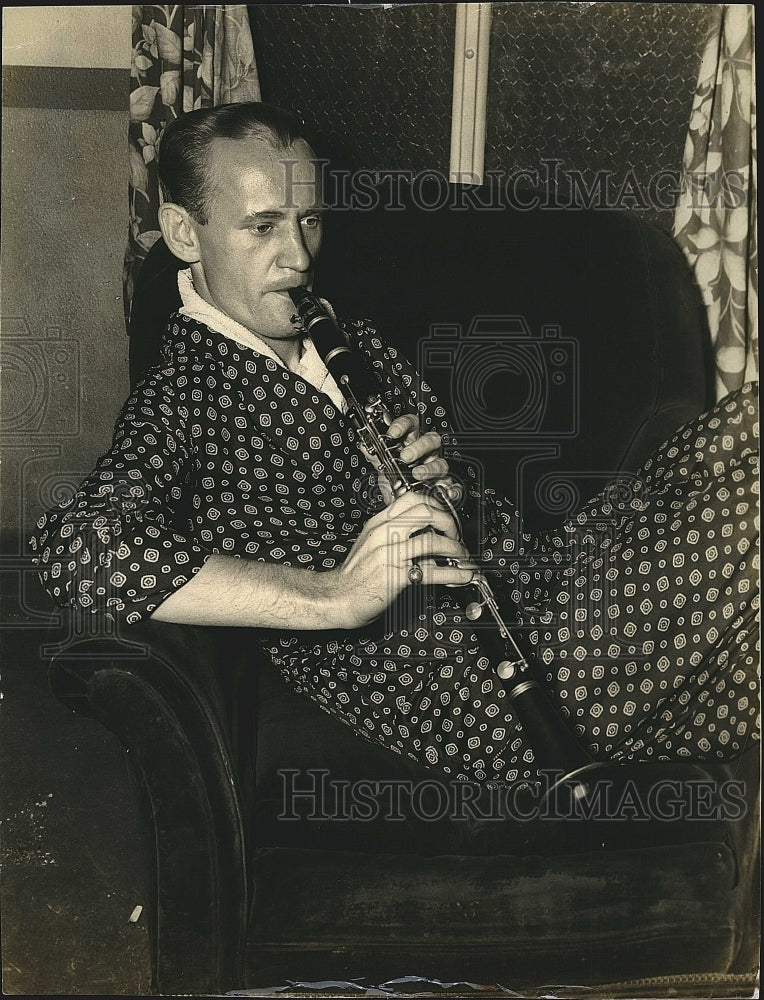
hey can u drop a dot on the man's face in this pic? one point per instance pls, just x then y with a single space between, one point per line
262 235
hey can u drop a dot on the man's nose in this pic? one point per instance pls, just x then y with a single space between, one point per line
294 252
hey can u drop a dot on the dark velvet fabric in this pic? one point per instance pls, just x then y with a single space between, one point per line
617 288
618 292
491 902
570 919
181 699
306 760
156 298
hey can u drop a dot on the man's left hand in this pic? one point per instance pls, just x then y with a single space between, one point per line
421 454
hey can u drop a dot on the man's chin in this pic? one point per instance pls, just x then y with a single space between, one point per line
280 322
284 317
282 331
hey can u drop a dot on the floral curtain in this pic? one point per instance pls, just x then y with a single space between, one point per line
715 218
184 57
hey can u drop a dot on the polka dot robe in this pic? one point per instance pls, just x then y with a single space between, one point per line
641 611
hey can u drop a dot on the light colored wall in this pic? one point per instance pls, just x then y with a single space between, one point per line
64 232
96 36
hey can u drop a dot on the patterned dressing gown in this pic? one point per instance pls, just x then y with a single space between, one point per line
642 609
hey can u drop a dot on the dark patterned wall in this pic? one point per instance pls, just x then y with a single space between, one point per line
600 87
376 83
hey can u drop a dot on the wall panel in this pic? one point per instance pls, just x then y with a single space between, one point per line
64 190
375 82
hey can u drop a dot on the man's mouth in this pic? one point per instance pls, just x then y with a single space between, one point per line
283 295
284 289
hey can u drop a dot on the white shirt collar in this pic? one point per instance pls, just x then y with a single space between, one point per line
310 366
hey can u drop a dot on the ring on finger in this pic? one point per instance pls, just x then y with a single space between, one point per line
415 573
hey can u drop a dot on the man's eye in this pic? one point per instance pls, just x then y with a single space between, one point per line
263 228
312 221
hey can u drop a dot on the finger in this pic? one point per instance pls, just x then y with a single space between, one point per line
443 522
433 546
428 444
412 500
475 573
448 576
418 519
403 426
432 468
454 492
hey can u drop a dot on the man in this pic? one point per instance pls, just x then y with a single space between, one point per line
235 494
252 231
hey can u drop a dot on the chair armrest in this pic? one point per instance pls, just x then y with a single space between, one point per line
181 700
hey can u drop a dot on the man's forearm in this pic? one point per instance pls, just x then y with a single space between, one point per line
414 529
242 592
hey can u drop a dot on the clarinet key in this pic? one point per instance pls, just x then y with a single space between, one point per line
506 670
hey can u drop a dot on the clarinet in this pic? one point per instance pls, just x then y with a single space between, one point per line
554 747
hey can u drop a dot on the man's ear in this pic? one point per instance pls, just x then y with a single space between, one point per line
179 231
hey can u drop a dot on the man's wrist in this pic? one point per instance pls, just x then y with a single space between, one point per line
329 597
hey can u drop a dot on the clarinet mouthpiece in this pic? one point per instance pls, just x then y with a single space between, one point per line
299 294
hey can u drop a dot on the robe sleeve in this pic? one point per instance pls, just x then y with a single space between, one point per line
113 548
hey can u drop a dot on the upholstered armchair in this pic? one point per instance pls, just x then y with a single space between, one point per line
251 879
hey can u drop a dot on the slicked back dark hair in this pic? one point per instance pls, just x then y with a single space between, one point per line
184 147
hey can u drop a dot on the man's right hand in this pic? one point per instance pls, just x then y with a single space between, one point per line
256 594
414 530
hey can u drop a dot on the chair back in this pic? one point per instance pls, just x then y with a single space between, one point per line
566 345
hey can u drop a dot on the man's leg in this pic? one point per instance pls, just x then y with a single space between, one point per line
648 644
652 646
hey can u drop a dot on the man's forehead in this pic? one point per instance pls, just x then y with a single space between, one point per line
291 176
